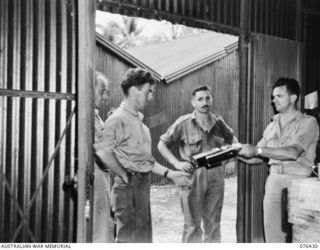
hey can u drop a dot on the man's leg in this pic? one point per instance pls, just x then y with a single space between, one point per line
102 222
191 204
122 205
213 202
272 205
142 211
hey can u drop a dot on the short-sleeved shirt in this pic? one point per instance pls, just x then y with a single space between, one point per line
98 127
98 134
302 130
192 139
128 138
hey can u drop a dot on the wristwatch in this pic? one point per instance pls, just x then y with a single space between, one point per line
259 151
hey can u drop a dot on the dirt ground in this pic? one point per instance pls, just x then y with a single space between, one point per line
168 220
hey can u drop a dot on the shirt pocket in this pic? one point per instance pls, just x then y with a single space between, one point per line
287 140
272 140
193 143
135 141
218 141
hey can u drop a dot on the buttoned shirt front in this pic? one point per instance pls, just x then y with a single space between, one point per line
302 130
192 139
128 138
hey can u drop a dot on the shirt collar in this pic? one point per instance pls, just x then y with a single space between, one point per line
213 118
298 116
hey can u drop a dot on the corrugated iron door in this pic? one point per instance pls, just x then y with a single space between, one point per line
270 59
37 121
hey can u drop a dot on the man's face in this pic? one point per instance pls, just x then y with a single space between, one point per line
143 95
282 99
201 101
102 94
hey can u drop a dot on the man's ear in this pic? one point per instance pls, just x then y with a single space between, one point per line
293 98
132 91
192 102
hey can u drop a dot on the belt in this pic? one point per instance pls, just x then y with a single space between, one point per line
101 166
133 173
287 170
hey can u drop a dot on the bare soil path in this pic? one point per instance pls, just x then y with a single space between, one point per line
168 220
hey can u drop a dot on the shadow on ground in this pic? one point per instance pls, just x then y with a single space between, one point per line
168 220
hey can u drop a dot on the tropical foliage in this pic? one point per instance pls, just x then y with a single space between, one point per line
128 32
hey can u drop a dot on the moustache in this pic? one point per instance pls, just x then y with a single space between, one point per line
205 106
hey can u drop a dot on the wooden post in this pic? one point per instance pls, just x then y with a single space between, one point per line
85 118
244 102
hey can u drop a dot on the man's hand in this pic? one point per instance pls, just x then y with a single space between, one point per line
229 168
184 166
180 178
248 151
125 178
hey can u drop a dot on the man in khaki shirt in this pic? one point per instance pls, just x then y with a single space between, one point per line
194 133
289 142
102 220
126 149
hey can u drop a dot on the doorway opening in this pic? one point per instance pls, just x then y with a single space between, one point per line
182 57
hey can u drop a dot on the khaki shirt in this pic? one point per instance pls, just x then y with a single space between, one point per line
192 139
302 130
98 127
128 138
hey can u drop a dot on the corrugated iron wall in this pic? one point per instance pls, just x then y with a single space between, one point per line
114 68
165 108
222 76
311 65
311 37
271 17
274 17
312 50
37 123
200 13
271 58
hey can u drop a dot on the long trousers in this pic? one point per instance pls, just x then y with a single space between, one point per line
131 206
103 225
203 203
276 226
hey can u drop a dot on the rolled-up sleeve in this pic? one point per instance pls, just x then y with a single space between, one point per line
227 132
307 133
173 133
262 143
235 139
269 129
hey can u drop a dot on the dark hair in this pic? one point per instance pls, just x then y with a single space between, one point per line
292 86
136 77
200 88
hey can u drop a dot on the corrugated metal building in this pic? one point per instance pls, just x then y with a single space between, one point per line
179 65
114 62
47 60
277 38
208 58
